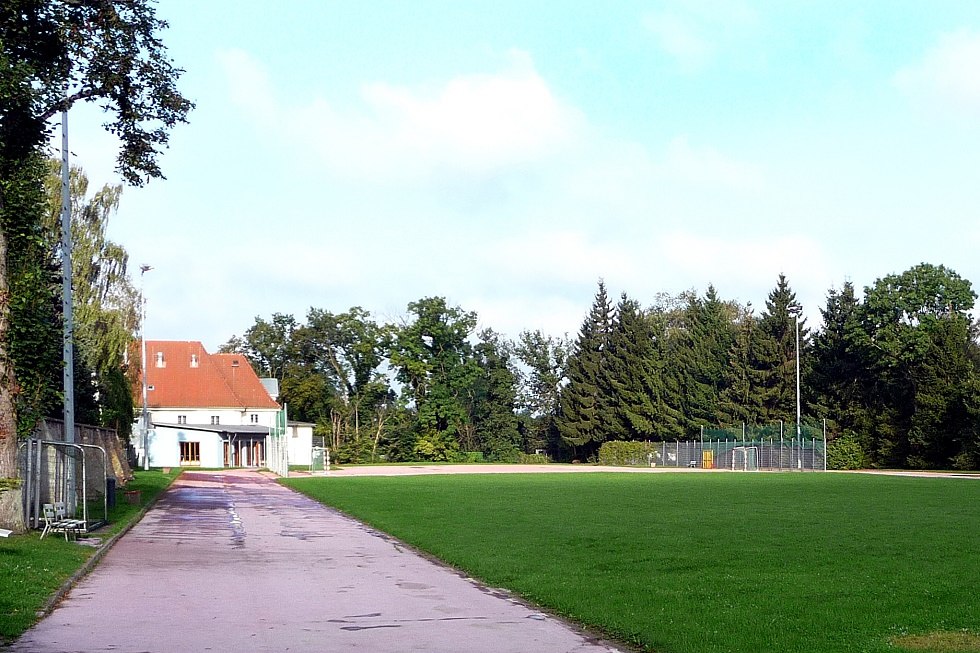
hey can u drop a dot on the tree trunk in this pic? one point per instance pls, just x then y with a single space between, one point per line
8 415
11 511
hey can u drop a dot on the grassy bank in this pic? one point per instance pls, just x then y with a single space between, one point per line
32 569
702 562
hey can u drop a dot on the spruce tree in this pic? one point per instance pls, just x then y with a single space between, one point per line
776 353
740 400
838 373
702 357
629 369
584 404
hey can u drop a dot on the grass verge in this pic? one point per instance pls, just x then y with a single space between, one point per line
702 562
32 570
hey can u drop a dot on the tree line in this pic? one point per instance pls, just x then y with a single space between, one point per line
893 373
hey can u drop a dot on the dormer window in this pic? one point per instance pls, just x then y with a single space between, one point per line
160 361
194 361
234 362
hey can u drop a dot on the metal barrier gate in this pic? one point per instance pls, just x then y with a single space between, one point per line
61 471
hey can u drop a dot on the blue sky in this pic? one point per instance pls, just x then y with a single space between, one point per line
507 155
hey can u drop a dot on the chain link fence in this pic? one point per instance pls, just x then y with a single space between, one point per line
744 456
747 448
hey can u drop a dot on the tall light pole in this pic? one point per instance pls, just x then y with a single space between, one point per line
144 419
795 312
68 342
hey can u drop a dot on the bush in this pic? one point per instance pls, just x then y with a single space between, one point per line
625 454
845 452
533 459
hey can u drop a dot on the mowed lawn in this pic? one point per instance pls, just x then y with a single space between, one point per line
702 562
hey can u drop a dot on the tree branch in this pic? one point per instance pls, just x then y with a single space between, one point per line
69 101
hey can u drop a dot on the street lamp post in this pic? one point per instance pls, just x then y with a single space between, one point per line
144 419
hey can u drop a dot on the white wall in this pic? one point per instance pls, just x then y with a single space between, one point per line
300 443
226 416
165 448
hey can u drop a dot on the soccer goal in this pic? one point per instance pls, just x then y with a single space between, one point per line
745 459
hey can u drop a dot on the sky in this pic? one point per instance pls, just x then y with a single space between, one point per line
509 155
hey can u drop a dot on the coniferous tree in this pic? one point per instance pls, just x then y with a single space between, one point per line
667 320
776 353
583 402
837 373
630 368
741 400
702 356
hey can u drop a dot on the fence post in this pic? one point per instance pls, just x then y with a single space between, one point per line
824 444
701 453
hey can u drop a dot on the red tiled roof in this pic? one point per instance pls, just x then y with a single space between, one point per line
218 381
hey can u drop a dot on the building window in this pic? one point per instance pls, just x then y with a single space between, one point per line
215 419
182 419
160 361
194 361
254 418
190 453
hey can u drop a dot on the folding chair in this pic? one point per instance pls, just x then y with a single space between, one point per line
56 521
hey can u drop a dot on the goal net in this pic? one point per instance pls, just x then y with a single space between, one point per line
745 459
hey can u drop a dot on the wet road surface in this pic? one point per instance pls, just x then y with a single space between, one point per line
231 561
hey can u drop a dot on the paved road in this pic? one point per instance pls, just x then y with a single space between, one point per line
231 561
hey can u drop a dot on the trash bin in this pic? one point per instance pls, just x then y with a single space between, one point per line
110 492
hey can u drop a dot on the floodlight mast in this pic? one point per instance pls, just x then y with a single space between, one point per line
144 418
68 347
795 311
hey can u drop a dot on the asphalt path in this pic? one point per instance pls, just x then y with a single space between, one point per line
232 561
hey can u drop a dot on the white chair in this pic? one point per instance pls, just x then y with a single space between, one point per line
56 521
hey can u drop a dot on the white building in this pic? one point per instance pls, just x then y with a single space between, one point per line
210 410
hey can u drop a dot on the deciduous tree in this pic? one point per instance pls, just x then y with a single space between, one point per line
54 53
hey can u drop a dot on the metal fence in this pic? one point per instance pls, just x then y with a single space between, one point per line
748 448
84 473
74 473
277 458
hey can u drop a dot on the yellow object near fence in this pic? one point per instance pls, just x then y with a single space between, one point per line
707 459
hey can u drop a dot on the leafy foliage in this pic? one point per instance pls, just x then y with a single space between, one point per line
845 452
54 53
895 377
106 305
621 453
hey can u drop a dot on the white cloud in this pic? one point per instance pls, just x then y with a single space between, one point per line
948 76
471 125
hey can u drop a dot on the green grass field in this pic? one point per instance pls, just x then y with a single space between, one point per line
705 562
